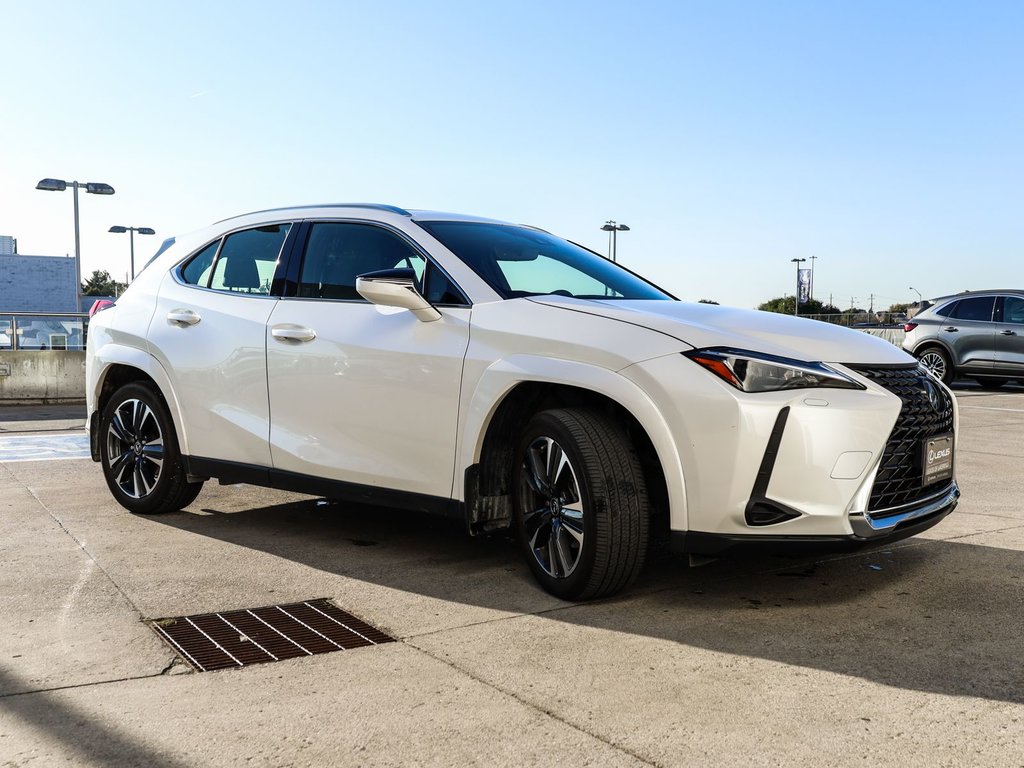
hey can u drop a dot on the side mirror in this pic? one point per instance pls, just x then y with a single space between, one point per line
396 288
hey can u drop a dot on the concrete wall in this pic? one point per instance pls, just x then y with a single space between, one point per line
32 377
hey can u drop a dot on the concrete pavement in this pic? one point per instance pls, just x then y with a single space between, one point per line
910 656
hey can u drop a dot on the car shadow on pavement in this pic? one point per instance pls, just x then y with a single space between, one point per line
935 616
88 739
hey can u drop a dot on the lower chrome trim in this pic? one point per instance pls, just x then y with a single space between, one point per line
881 522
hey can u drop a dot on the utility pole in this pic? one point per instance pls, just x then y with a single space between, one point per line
811 287
871 308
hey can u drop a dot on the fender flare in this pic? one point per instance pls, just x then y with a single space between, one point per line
934 342
118 354
502 376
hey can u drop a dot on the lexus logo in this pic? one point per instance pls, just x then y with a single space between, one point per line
934 397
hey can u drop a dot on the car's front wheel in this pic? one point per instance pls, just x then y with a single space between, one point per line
581 507
938 364
139 453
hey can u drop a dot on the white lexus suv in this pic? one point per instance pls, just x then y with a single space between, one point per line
507 377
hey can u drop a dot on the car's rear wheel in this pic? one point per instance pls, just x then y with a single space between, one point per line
938 363
581 507
139 453
991 382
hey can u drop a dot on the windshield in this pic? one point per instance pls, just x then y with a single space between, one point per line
518 261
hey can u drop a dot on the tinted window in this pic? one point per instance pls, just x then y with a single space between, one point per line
945 309
978 308
337 253
1013 309
440 289
517 261
248 260
197 271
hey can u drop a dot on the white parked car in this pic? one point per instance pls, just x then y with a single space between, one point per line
505 376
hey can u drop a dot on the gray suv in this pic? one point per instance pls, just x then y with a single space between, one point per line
979 334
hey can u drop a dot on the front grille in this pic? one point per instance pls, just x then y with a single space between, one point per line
899 478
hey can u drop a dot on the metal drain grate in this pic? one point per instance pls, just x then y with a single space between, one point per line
258 635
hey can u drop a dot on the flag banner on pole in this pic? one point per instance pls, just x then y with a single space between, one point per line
804 285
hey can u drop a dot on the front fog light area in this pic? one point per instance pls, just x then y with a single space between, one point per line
756 372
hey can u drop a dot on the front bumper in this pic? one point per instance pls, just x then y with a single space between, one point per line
822 466
870 530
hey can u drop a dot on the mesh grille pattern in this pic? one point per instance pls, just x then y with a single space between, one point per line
900 472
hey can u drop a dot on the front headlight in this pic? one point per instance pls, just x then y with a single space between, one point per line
756 372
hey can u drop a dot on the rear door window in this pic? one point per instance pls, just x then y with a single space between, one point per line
1013 310
248 260
976 308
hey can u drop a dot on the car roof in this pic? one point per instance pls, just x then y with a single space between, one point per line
319 209
968 294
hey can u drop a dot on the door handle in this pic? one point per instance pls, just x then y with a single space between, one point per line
292 333
951 329
183 317
1008 332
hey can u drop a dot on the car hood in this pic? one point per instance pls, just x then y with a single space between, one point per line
709 325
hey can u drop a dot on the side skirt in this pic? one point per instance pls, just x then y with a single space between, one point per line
228 473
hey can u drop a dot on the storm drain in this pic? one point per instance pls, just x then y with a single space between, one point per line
259 635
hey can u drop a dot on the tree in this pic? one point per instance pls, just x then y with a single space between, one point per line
784 306
707 301
100 283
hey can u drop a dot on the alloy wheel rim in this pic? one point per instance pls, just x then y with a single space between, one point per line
934 363
135 448
553 508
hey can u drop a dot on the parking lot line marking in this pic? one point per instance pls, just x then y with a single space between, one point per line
43 447
992 408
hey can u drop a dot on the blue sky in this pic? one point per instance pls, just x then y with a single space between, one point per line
883 138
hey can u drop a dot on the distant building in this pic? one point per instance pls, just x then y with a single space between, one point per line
38 284
35 283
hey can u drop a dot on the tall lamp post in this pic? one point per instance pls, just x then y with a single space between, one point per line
131 236
93 188
613 230
796 296
920 298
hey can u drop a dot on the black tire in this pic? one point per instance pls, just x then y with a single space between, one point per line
986 382
936 360
595 517
139 453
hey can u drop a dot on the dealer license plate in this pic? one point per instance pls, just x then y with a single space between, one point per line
938 459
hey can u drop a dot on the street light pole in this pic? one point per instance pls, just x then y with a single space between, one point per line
920 298
796 296
95 188
78 254
613 230
131 236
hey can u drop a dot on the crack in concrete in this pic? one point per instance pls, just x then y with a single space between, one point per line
84 549
72 687
537 707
